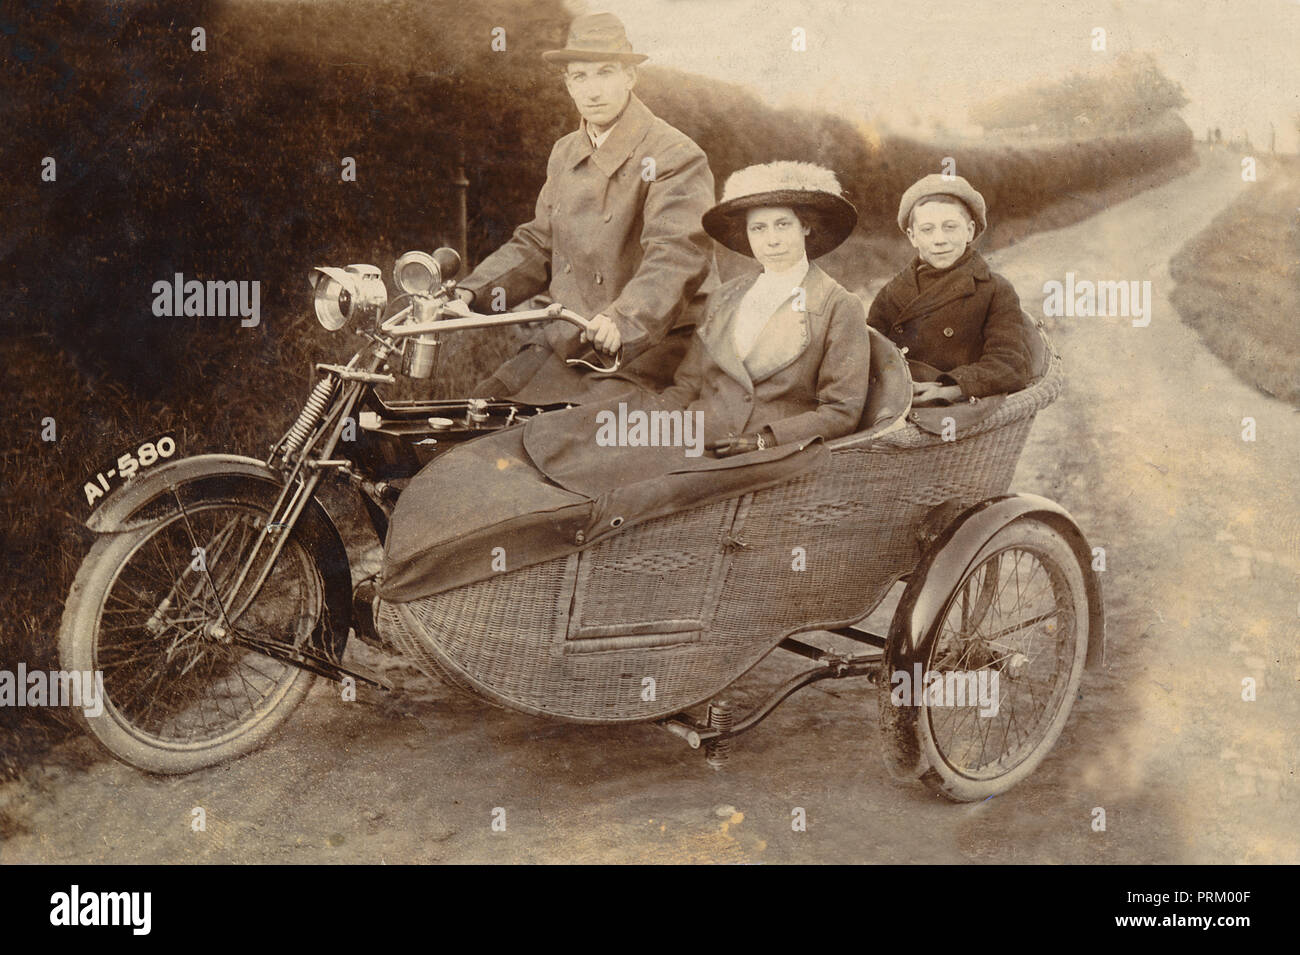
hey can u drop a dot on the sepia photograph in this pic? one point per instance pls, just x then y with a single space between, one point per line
670 432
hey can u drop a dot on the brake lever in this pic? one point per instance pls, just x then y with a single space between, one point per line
618 363
556 310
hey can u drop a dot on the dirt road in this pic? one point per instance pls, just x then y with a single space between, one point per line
1202 537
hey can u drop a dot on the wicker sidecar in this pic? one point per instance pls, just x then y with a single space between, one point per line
647 623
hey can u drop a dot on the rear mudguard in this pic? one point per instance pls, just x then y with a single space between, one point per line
206 477
947 559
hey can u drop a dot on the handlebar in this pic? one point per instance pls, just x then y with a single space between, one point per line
395 327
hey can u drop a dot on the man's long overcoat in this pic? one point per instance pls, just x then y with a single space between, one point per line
617 231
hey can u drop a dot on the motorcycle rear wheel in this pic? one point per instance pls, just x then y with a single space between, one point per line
179 694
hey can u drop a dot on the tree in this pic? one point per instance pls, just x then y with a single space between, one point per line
1132 93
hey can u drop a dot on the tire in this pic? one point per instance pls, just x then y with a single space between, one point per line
144 617
1026 637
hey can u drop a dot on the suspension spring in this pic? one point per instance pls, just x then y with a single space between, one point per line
310 416
720 716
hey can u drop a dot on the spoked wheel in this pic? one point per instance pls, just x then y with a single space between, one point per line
184 684
1012 641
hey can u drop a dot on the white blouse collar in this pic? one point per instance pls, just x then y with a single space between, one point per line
796 271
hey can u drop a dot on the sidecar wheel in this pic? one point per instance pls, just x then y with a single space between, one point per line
1025 638
177 696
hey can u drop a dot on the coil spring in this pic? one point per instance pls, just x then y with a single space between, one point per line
309 417
720 716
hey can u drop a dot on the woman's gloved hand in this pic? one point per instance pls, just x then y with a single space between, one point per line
743 444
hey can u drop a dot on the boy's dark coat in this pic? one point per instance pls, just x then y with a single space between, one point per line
967 323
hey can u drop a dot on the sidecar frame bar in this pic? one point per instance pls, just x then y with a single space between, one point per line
833 666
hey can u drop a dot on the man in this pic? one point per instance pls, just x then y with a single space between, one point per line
616 236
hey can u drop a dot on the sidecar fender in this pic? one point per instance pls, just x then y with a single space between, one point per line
149 498
951 554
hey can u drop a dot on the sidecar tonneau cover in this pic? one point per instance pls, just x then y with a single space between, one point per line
484 506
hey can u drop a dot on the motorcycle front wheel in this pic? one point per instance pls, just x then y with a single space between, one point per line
152 614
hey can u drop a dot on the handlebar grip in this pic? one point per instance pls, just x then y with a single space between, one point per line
556 310
559 311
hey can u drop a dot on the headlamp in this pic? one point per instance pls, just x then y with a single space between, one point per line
339 295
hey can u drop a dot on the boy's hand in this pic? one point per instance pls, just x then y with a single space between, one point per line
931 392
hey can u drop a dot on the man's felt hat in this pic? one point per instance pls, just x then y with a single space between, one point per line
803 186
939 185
596 37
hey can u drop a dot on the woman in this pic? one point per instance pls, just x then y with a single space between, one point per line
782 356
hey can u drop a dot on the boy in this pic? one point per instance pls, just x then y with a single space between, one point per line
960 323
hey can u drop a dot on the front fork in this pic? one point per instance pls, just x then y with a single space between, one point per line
307 456
305 452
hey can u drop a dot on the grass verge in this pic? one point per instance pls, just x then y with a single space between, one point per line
1238 282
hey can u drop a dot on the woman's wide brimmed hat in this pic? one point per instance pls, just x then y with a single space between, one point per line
803 186
597 37
951 186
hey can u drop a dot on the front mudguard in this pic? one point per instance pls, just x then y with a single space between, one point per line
943 564
152 497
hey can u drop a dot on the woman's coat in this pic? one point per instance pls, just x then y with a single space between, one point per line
806 375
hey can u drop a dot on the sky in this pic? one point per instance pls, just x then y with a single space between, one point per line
904 62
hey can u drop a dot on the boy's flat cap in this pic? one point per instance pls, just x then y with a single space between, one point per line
937 185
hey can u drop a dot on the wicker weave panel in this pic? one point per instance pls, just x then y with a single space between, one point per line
855 520
667 570
849 565
464 630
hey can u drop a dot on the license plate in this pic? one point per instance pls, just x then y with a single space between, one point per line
128 465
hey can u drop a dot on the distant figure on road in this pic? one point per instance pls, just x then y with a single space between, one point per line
616 236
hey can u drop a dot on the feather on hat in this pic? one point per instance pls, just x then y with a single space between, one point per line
803 186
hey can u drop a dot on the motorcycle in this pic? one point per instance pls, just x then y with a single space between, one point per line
219 587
